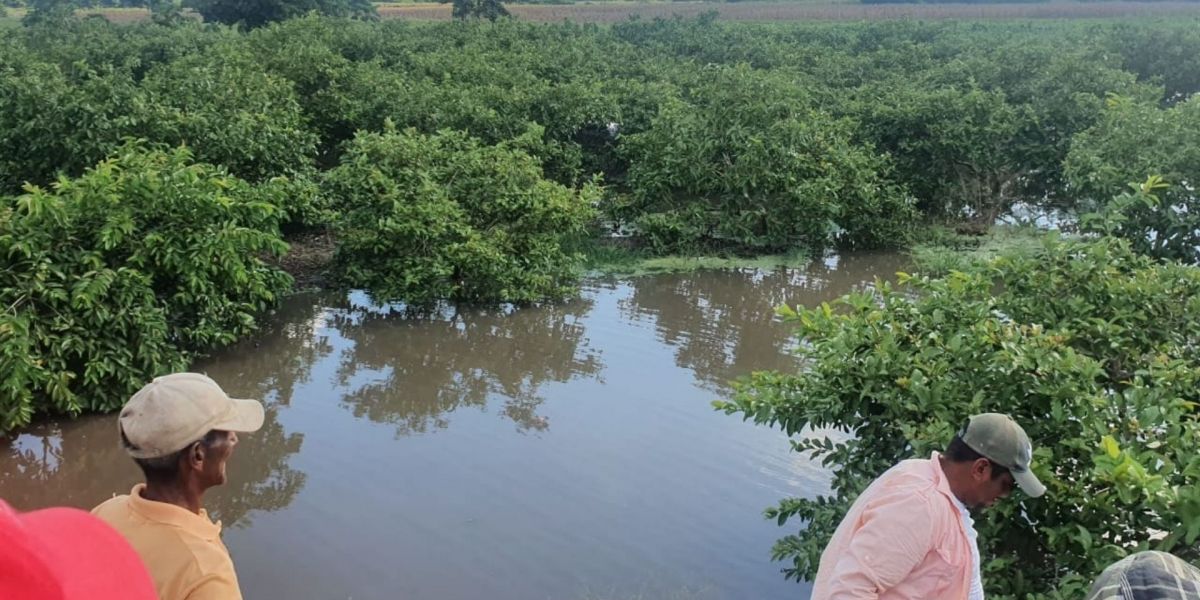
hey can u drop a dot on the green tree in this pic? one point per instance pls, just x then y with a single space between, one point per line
446 217
63 121
1141 142
123 273
477 9
257 13
1089 345
953 147
230 113
48 13
168 13
743 161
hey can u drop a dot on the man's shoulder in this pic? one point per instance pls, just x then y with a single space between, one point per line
112 509
116 500
165 535
911 480
914 472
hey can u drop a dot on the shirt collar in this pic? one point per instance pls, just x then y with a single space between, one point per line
170 514
939 477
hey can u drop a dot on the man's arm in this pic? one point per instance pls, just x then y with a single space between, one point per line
895 536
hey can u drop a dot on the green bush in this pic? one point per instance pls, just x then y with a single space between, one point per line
954 147
338 96
744 162
1165 55
446 217
48 13
256 13
477 9
230 113
1140 142
123 273
52 123
1089 345
76 334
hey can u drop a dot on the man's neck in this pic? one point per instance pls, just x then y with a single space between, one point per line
178 494
950 473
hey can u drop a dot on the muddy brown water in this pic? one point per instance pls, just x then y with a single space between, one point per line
558 452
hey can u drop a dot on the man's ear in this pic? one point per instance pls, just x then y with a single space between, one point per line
195 455
981 468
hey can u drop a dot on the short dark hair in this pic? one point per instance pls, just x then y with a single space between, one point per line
165 469
958 451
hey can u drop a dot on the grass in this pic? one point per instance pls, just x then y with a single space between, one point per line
941 250
606 259
938 251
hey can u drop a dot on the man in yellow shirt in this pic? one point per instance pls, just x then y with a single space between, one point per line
181 430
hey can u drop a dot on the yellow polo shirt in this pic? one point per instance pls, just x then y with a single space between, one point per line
182 550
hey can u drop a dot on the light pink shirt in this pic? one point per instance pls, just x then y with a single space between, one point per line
903 539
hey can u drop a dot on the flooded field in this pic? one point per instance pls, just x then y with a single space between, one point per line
559 452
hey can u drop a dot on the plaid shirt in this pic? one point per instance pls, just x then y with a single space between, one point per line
1148 576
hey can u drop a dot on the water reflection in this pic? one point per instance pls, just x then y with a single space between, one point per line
723 324
412 372
281 356
80 464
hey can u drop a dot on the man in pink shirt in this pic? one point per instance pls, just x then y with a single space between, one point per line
910 536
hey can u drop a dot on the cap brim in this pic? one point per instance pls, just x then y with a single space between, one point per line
1029 483
90 559
247 417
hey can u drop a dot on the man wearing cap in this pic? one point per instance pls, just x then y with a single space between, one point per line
909 536
181 430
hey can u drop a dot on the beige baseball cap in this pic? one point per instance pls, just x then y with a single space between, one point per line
999 439
175 410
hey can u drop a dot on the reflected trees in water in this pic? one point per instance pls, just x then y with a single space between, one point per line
722 323
271 365
413 370
81 464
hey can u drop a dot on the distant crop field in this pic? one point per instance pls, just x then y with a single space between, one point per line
607 12
114 15
615 11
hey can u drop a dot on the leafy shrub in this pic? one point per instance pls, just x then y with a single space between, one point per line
76 334
1088 345
1136 142
60 124
303 204
120 274
1167 56
134 48
477 9
746 163
954 147
256 13
675 232
231 113
1060 90
447 217
338 96
48 13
